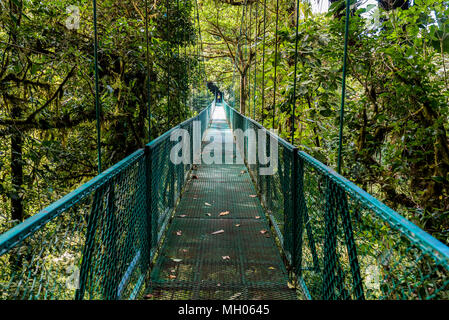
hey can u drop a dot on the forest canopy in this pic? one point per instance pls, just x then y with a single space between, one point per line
395 142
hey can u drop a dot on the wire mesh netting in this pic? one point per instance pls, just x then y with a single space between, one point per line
341 242
91 235
365 249
218 245
95 243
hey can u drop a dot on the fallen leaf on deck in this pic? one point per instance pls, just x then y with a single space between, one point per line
184 250
172 276
176 260
218 284
253 196
149 296
243 171
235 296
263 231
183 215
218 232
272 268
290 285
257 217
173 271
226 258
179 233
208 214
224 213
207 204
237 225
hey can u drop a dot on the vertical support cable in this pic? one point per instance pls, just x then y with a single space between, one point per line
294 79
148 70
249 45
263 59
295 235
97 98
168 62
148 199
201 42
249 58
177 53
275 61
255 60
343 87
238 49
184 43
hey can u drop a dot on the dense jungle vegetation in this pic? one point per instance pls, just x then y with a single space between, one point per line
47 91
396 114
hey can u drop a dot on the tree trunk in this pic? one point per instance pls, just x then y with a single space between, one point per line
16 137
16 170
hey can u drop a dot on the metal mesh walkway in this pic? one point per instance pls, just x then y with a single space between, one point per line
210 256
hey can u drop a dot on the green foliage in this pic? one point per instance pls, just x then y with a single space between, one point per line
396 112
47 109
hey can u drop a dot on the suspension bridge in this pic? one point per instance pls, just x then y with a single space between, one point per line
149 228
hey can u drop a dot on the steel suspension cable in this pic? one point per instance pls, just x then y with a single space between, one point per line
233 84
238 49
168 63
275 62
343 87
247 82
248 46
255 60
184 41
201 42
97 98
177 51
263 59
293 98
236 52
196 69
148 70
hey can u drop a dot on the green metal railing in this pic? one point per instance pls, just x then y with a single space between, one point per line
341 242
98 241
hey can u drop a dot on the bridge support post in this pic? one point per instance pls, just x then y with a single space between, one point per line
296 236
110 279
268 180
300 212
350 245
330 243
89 243
171 194
149 200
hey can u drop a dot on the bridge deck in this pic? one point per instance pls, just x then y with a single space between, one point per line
239 262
